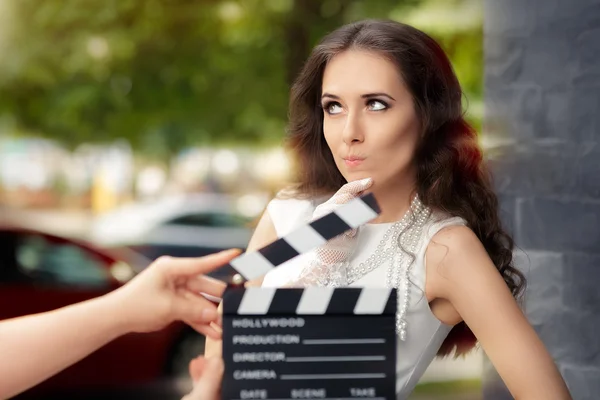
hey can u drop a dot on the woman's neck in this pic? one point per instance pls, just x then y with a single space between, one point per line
393 200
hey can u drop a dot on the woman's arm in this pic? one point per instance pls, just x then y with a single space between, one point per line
464 274
263 235
35 347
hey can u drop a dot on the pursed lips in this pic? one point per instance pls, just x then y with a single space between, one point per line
353 161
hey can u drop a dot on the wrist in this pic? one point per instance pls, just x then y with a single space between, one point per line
115 309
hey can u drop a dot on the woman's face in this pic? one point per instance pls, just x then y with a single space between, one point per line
369 122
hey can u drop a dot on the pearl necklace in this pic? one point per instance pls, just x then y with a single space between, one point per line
401 239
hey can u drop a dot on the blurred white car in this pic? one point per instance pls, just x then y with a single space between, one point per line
182 226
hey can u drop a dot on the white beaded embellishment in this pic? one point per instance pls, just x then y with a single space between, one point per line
401 239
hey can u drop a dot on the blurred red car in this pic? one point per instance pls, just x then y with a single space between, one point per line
41 272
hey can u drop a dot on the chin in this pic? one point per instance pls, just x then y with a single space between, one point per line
355 176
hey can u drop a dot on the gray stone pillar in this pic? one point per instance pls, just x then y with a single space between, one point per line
542 98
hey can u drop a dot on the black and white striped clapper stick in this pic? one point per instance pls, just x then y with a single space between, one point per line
351 215
312 343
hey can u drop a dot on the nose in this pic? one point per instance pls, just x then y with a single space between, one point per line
353 131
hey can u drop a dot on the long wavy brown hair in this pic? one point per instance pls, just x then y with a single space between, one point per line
451 174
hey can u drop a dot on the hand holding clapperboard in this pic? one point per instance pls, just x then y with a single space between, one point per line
312 343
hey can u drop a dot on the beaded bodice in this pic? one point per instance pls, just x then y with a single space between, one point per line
378 262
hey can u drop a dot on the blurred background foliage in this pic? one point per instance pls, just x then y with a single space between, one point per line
156 125
170 74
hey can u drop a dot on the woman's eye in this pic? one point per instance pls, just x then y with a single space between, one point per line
333 108
377 105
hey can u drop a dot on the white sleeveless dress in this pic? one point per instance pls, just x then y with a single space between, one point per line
424 332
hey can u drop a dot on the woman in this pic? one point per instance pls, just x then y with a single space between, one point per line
377 107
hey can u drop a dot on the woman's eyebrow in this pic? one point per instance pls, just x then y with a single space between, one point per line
333 96
364 96
378 94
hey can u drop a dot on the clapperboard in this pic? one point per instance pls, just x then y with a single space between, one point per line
312 343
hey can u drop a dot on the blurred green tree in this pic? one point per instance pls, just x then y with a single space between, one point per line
166 74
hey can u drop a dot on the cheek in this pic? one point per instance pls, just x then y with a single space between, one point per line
404 146
331 132
395 143
328 127
394 133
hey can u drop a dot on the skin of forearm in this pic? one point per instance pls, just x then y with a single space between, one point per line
35 347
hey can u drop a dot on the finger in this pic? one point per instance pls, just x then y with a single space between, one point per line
181 267
213 299
191 295
218 328
211 329
208 386
355 187
193 307
212 376
215 349
212 315
207 330
351 190
209 325
205 284
196 368
216 322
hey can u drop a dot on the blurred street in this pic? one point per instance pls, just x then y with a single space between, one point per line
70 223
